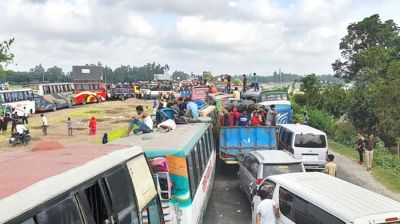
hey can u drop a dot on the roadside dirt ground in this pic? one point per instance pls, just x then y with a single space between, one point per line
113 117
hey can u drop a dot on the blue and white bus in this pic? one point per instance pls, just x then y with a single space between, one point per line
17 100
184 165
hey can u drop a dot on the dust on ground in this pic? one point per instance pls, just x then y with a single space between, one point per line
111 116
351 171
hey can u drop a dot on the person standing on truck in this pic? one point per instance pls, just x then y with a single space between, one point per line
330 166
360 148
243 119
244 82
271 116
267 210
369 151
236 93
255 82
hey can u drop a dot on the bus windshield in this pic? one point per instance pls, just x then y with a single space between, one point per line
273 96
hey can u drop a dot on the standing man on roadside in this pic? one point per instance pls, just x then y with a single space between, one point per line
267 210
369 151
244 82
360 148
45 124
330 166
25 117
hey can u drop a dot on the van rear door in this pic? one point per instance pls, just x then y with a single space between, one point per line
311 149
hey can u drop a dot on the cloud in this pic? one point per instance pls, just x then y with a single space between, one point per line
239 36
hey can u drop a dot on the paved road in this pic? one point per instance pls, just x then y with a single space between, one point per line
227 204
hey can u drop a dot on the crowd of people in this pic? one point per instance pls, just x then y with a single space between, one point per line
259 117
168 113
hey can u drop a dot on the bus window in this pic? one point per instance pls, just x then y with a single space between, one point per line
154 213
192 174
66 211
46 89
96 203
2 97
122 198
20 96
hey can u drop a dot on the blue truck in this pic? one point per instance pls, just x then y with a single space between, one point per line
237 141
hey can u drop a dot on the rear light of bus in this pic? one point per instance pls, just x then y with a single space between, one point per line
392 219
259 181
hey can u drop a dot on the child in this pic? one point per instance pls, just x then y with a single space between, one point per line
69 126
330 166
92 126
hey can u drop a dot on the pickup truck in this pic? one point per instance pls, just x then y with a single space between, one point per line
236 141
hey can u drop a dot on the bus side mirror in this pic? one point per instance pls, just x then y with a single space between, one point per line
164 185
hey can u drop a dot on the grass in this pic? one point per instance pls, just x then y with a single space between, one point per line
389 177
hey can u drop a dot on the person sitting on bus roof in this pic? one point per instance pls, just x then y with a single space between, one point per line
179 116
243 119
140 127
192 110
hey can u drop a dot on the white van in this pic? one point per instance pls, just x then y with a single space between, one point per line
305 143
314 197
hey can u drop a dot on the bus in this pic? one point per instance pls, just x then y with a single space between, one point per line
183 161
89 92
53 96
16 100
80 184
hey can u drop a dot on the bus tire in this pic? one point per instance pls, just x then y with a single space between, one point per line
84 101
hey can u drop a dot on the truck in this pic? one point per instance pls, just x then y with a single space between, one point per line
121 91
236 141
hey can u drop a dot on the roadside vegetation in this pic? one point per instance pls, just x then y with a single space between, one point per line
371 61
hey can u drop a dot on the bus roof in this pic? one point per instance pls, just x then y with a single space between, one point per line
346 200
27 173
15 90
178 141
300 128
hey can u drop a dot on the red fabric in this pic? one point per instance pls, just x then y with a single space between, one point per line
235 115
255 120
213 89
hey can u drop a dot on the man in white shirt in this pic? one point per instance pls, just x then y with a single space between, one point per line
45 124
267 210
20 129
25 117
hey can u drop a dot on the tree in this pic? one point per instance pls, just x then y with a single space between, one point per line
180 75
208 77
361 36
5 54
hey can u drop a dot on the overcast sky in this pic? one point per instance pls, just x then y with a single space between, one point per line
220 36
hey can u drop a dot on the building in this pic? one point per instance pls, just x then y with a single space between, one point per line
164 76
88 73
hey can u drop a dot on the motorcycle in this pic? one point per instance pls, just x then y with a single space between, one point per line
17 138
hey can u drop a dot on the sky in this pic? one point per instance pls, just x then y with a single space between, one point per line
221 36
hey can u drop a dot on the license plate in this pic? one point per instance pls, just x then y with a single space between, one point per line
310 157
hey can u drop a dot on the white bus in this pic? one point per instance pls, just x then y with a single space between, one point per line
84 184
183 161
314 197
17 100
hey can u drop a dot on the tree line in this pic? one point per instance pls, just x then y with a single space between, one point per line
370 58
